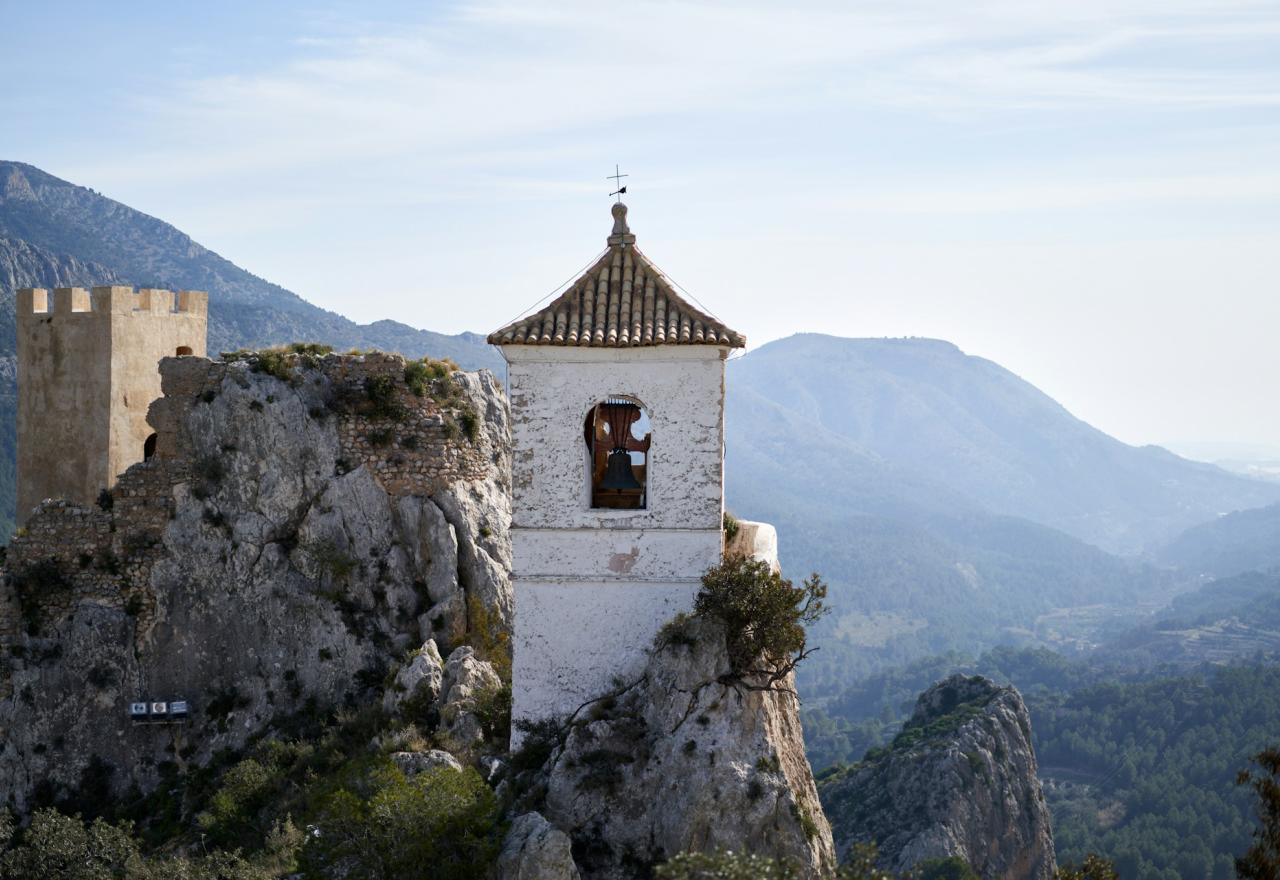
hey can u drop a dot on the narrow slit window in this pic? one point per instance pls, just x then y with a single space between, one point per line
618 437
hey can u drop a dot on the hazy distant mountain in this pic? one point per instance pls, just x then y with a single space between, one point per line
923 411
946 500
1247 540
56 234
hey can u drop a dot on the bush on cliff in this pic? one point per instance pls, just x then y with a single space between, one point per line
60 847
391 827
765 615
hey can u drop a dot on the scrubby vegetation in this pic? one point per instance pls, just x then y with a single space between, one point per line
59 847
421 376
319 791
280 361
765 615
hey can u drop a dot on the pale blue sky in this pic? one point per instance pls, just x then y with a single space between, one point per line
1086 192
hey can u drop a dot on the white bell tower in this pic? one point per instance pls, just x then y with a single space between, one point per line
617 406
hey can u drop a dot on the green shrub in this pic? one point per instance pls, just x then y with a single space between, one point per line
421 375
58 847
274 362
394 828
470 423
493 710
381 401
231 815
764 614
313 349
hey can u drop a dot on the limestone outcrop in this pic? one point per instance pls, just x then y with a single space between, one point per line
960 780
417 682
304 522
467 679
685 758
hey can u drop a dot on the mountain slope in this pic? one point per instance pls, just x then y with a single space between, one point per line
56 234
936 494
925 408
1246 540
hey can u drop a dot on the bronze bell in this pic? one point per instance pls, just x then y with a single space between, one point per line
618 474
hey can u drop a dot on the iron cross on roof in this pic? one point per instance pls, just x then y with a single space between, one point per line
616 177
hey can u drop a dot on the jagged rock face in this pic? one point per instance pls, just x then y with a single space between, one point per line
278 555
466 678
959 781
683 759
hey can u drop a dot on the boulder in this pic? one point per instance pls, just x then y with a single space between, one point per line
413 763
418 681
535 850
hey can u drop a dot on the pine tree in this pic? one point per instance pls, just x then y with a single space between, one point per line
1262 860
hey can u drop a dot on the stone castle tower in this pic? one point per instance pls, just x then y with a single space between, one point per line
88 369
617 413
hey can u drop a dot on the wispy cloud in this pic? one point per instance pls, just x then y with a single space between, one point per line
481 75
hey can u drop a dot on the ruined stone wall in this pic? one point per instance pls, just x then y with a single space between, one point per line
305 520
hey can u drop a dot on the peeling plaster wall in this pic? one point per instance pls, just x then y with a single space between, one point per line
592 587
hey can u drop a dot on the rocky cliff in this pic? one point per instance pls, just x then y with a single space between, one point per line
305 521
688 757
959 780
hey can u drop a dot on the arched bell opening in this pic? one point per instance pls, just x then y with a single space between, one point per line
149 447
617 434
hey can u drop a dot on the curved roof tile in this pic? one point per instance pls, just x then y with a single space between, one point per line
623 300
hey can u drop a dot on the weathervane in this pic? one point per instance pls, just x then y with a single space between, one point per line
616 177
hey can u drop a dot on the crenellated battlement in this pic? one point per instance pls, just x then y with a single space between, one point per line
118 300
88 368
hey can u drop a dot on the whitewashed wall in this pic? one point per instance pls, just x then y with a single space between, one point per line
592 587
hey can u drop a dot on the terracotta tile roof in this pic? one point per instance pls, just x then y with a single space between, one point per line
621 301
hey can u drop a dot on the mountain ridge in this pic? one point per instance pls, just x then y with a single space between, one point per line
966 423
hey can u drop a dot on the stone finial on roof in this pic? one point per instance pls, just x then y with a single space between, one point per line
623 300
621 232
